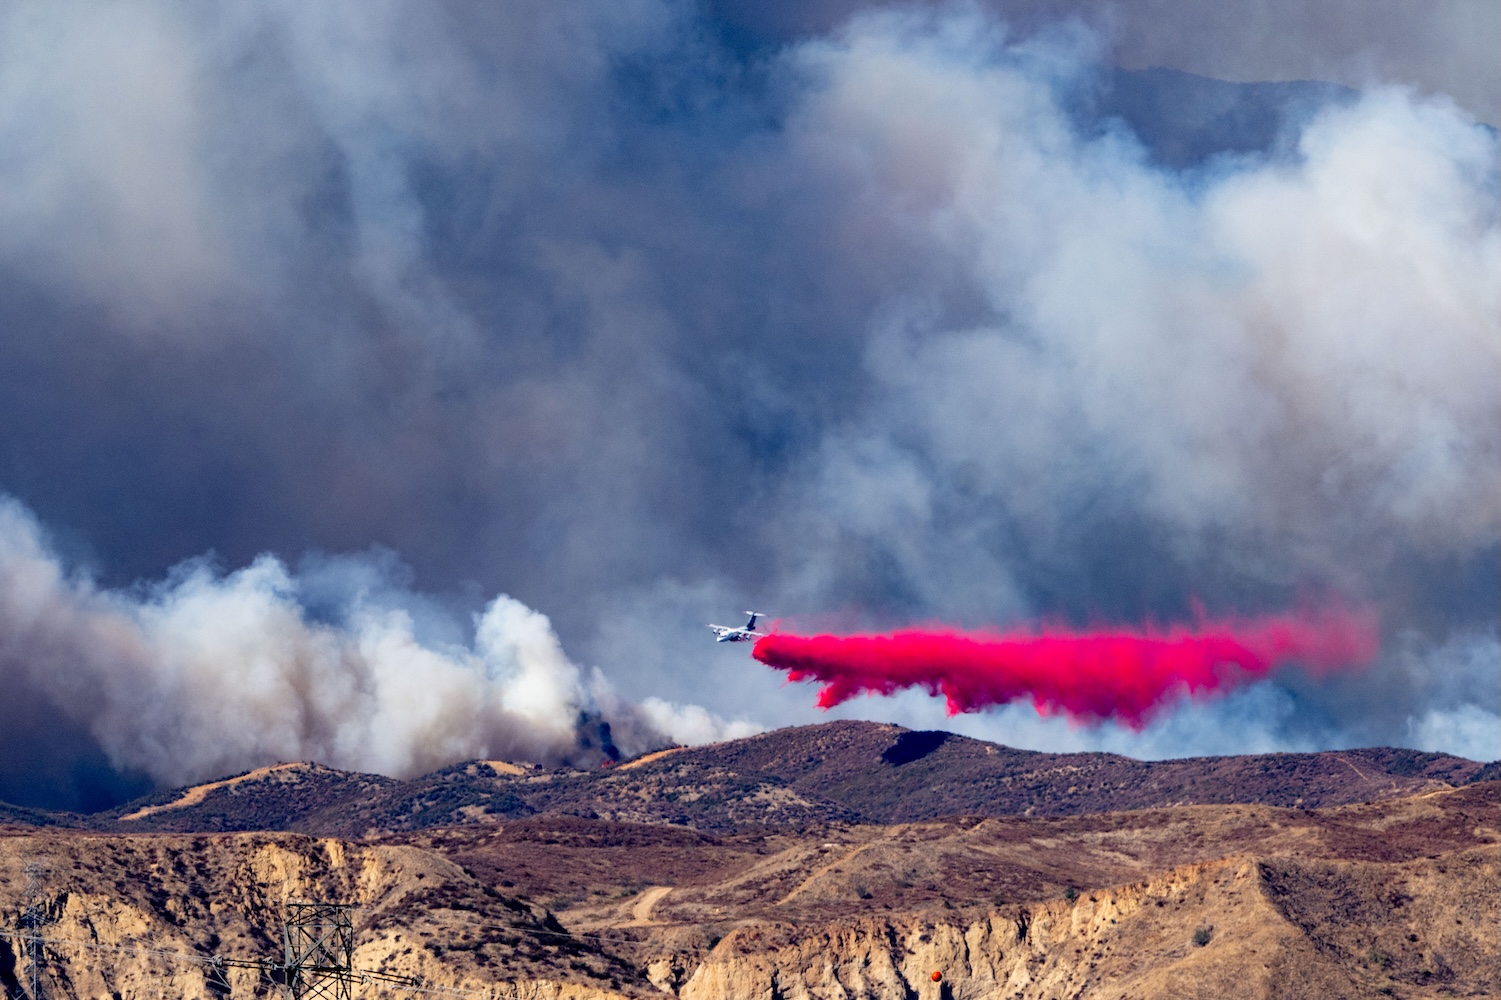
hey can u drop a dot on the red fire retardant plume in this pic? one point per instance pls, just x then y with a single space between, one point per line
1125 676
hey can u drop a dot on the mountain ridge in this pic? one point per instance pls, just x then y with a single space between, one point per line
799 777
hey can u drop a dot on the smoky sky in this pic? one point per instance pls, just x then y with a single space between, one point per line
1439 46
643 312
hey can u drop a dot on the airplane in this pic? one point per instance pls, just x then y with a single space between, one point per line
724 633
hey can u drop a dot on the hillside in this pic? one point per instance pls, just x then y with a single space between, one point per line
844 860
889 774
133 916
1391 898
790 779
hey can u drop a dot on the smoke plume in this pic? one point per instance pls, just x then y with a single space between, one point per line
1124 676
206 673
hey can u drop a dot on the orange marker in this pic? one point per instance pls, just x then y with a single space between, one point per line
937 976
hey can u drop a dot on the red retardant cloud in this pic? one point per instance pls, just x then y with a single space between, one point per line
1124 676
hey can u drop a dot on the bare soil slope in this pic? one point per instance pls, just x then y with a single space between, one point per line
1399 898
142 916
1392 898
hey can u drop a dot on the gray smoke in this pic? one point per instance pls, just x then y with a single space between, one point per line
614 308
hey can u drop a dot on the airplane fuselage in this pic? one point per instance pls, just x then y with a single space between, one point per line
745 633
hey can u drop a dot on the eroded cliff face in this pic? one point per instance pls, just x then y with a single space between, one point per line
1220 929
1395 899
143 916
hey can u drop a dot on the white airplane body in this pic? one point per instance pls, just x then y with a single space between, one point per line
746 633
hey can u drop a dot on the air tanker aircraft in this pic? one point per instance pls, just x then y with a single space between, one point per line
724 633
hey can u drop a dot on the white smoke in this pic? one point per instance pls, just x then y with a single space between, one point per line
1467 730
1457 708
694 724
204 674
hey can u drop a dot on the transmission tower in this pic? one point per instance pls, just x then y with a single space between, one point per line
317 961
319 941
32 920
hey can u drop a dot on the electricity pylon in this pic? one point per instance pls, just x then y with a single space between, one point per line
319 943
32 920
